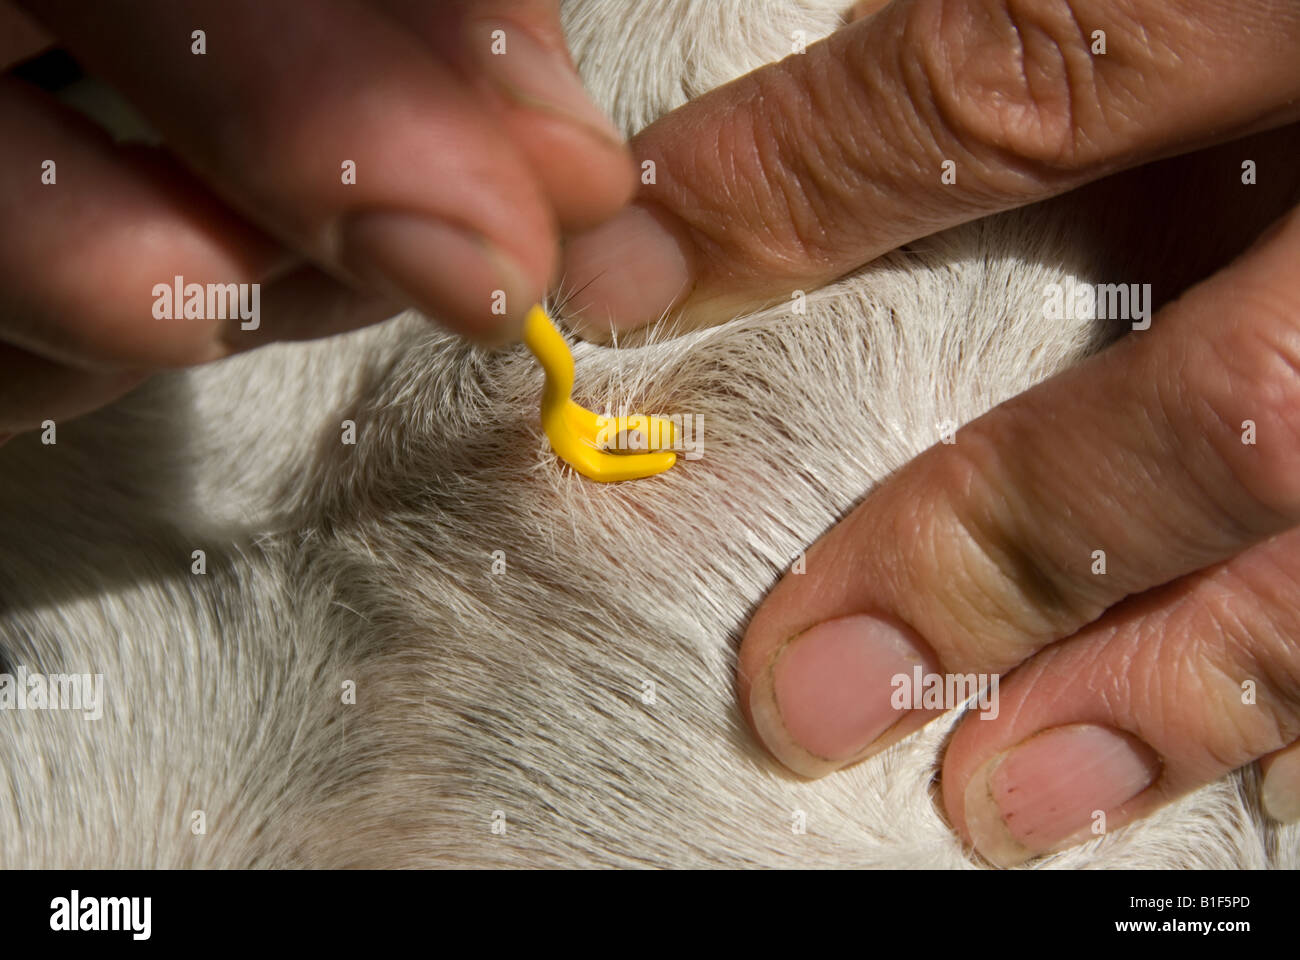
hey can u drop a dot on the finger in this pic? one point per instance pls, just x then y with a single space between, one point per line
1172 450
923 116
514 55
88 230
1280 792
87 240
302 304
1165 694
341 135
34 390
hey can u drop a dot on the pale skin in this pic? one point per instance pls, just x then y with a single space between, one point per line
976 557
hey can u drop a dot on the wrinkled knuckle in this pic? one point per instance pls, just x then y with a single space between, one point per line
1247 398
1257 683
1013 82
789 147
994 574
1271 651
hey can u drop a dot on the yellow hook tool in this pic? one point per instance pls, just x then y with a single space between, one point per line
582 438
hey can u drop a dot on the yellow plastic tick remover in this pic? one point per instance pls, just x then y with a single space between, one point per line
582 439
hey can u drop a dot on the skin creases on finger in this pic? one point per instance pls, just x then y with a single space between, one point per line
1168 692
858 148
978 554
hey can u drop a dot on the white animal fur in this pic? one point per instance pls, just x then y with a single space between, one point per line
520 692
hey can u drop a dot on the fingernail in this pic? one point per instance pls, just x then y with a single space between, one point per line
453 274
537 77
829 695
1280 792
1047 792
627 272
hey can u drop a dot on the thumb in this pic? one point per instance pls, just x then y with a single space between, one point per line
927 114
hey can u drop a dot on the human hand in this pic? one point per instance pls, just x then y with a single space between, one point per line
1174 452
367 156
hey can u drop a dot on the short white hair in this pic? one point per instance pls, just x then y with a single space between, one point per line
542 666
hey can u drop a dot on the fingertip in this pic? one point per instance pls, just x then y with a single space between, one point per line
1053 788
1280 791
827 697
